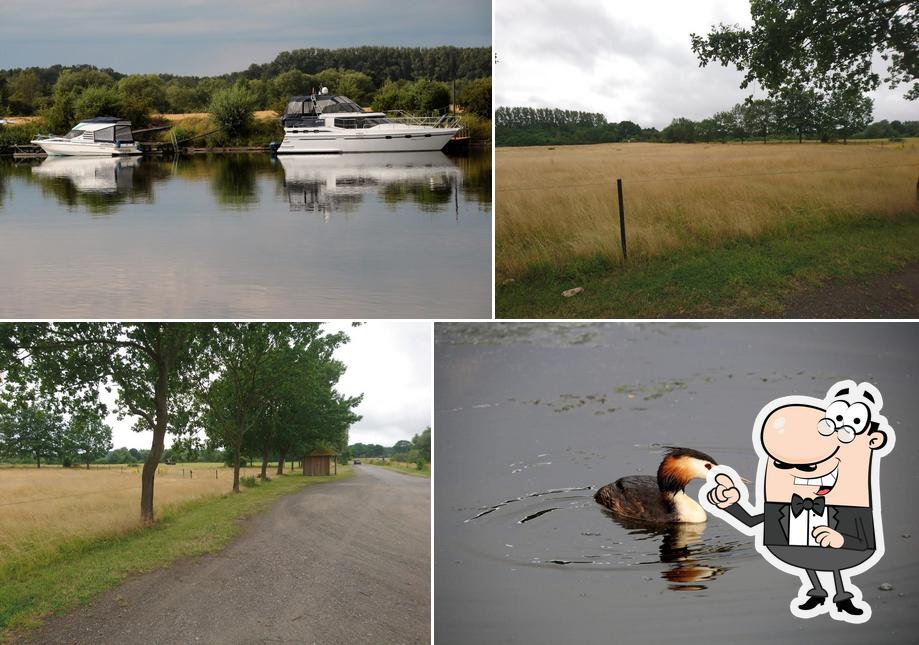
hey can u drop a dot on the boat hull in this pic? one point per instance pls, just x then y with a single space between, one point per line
423 140
66 148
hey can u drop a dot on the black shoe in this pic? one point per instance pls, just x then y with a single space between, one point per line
847 606
813 601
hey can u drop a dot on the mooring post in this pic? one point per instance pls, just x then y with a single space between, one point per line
625 255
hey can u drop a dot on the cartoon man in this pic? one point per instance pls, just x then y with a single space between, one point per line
819 507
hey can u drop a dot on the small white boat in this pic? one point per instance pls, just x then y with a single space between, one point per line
104 136
323 123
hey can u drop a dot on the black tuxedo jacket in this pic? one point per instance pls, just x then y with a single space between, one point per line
855 523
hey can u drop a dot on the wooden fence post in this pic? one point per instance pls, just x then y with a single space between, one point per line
625 254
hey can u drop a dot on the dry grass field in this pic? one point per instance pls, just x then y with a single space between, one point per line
40 508
556 208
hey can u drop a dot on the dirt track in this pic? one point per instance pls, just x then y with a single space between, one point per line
345 562
894 295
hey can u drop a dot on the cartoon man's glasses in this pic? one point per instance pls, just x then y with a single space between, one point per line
845 420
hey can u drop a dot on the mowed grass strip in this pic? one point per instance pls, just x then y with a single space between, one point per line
741 278
73 571
556 210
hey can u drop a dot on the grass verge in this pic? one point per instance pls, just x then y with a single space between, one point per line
73 572
742 278
402 467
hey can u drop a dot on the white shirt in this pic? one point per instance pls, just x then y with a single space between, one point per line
799 528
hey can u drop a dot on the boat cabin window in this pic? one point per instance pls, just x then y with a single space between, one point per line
298 108
119 133
358 122
73 134
337 104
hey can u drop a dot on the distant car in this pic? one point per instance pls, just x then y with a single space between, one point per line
170 462
357 461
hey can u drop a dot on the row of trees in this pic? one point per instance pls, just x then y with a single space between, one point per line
38 430
419 448
59 93
267 388
800 114
85 92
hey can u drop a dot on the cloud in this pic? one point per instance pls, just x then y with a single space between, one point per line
197 37
630 61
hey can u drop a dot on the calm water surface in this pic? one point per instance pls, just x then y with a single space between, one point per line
531 418
385 235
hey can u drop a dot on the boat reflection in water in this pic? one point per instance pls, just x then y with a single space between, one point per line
338 183
91 174
99 184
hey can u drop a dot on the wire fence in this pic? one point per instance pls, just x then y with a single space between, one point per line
671 178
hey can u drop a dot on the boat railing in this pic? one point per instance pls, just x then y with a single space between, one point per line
445 121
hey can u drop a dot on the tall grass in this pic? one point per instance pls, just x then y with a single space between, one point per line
557 211
40 508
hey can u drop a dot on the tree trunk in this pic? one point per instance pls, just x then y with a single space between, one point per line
265 462
236 468
37 460
281 455
87 465
160 399
304 464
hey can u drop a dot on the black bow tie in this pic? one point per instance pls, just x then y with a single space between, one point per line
799 504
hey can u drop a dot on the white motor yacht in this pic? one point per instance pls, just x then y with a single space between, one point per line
323 123
105 136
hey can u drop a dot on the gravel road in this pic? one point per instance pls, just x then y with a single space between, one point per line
344 562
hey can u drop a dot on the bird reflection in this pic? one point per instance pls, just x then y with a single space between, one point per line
681 548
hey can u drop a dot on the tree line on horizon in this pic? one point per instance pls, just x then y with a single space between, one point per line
386 78
802 115
418 449
265 389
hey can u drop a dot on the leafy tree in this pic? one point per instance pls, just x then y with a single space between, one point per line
88 437
476 97
149 363
760 116
231 110
829 44
148 87
422 443
800 110
31 426
848 112
25 90
77 80
97 101
681 130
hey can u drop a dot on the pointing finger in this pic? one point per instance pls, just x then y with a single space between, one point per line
724 480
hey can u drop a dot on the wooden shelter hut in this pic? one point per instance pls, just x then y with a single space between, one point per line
319 462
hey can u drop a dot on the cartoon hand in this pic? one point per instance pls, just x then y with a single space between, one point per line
826 536
724 493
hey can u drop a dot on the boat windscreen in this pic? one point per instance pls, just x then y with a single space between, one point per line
123 134
73 134
104 135
114 134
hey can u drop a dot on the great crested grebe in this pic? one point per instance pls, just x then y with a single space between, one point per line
661 499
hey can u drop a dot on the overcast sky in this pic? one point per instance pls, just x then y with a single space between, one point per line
390 362
205 37
629 60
